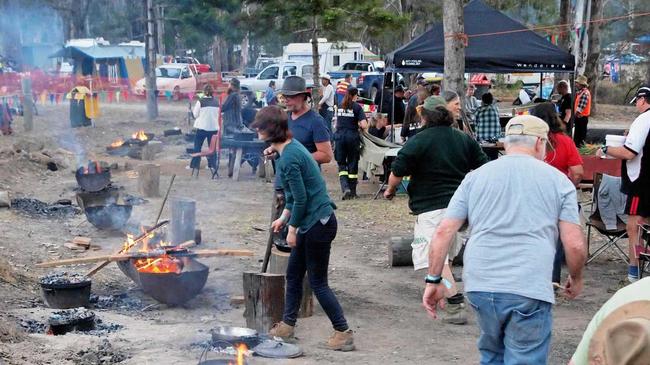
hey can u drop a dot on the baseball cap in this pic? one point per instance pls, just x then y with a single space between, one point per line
432 102
527 125
644 91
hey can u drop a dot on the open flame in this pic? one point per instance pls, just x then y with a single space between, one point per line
159 265
117 143
140 135
242 350
93 167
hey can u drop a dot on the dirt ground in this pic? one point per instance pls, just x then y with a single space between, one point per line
382 303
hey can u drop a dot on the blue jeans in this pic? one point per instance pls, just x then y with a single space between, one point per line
199 138
312 254
514 329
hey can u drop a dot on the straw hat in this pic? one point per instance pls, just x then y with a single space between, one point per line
623 337
582 80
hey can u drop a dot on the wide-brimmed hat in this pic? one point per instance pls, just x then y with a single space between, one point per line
527 125
326 77
623 337
582 80
294 85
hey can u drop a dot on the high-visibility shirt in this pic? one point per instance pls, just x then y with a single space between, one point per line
583 102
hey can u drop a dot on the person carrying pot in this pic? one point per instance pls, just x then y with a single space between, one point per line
349 119
309 215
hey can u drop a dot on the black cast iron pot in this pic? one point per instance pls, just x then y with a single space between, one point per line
64 296
93 182
111 216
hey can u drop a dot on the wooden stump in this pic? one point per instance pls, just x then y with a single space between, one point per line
278 265
183 211
149 180
148 153
5 199
264 300
400 251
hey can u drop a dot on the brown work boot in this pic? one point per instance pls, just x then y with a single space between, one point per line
282 330
455 312
341 341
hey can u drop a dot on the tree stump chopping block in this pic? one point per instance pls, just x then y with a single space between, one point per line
400 251
264 300
149 180
278 265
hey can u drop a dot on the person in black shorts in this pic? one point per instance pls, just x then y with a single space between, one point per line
349 118
635 174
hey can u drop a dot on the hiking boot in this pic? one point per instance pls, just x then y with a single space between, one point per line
353 189
455 312
341 341
282 330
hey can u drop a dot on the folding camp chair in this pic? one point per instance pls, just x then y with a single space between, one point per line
595 221
213 149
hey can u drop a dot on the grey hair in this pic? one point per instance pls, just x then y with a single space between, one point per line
449 95
521 140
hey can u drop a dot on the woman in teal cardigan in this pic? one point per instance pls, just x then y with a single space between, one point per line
309 212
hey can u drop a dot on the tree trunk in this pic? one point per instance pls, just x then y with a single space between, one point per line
564 38
278 265
316 62
152 99
592 66
400 251
580 46
264 299
149 180
243 62
216 54
453 27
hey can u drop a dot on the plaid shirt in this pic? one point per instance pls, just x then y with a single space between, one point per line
488 127
584 99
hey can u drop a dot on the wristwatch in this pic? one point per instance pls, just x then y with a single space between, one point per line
604 149
433 279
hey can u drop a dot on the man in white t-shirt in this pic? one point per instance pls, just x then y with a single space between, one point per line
635 174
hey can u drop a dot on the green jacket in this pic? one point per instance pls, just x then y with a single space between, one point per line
304 187
437 159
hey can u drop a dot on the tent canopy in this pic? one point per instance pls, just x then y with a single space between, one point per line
520 51
98 52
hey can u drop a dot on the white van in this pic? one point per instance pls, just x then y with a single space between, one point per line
332 54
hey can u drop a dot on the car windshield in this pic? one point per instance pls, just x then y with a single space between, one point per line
168 73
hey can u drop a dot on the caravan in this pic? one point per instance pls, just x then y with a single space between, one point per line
332 54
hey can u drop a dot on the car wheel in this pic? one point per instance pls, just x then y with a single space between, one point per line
246 98
176 93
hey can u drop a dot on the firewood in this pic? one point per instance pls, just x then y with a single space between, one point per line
73 246
82 241
145 255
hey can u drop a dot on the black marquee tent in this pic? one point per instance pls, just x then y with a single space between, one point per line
517 49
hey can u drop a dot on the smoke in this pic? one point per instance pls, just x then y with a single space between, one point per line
29 32
70 142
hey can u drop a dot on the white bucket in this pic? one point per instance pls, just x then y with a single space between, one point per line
612 140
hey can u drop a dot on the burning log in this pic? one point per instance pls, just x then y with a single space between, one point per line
147 255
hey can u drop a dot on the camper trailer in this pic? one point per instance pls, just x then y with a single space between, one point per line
332 54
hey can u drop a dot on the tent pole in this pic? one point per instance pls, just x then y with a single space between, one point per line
392 111
541 84
573 98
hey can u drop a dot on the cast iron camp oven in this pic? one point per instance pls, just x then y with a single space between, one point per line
77 319
110 216
90 180
169 288
63 290
105 196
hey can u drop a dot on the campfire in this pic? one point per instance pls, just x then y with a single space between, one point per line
93 167
117 143
140 135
